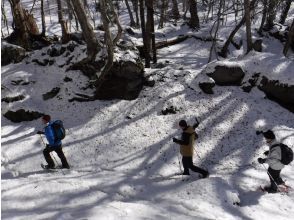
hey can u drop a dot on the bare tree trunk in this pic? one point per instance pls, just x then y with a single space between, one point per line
224 50
109 44
162 13
221 3
132 24
135 6
92 43
248 25
70 15
119 28
194 20
272 7
290 40
150 27
284 14
264 14
43 19
144 35
65 36
20 26
175 10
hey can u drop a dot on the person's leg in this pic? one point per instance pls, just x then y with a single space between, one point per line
194 168
273 175
46 153
60 154
185 161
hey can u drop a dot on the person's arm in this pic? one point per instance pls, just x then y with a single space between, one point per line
185 139
49 135
274 156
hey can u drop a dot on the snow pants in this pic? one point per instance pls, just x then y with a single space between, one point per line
60 154
275 178
188 164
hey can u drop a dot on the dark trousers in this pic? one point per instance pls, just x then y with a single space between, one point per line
188 164
60 154
275 178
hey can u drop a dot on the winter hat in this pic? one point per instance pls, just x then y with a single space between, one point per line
269 134
183 123
46 118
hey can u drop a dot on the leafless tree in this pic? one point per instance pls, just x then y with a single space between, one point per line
194 20
272 7
24 24
290 40
286 8
65 36
92 43
132 21
163 7
248 24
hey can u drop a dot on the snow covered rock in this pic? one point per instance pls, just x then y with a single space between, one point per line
51 94
279 92
227 75
124 81
11 53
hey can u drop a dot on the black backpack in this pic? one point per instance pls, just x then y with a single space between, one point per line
58 129
287 153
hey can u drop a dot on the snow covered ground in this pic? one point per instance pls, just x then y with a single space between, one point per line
121 152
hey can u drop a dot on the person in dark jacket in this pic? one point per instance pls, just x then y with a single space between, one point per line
274 156
54 145
186 148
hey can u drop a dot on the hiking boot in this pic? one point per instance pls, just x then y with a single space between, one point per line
48 166
270 189
186 174
65 167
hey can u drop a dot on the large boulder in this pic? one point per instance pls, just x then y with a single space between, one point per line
11 53
278 92
22 115
227 75
124 81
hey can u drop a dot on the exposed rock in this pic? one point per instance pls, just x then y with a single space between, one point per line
45 62
13 99
67 79
22 115
257 45
11 53
227 76
247 87
20 82
206 87
149 82
124 81
51 94
170 110
279 92
56 50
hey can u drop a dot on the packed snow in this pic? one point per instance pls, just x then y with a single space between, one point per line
121 152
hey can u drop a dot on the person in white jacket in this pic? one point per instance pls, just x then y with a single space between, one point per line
274 156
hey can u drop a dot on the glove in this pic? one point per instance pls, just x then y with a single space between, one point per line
266 153
260 160
175 140
40 132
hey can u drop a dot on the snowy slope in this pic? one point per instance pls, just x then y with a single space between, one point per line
121 152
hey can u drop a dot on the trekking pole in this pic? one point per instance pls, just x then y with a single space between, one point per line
179 162
271 177
51 154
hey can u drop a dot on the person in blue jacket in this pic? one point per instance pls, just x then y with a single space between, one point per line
54 145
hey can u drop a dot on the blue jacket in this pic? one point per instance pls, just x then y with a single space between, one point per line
49 133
